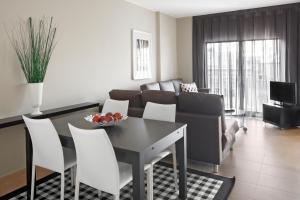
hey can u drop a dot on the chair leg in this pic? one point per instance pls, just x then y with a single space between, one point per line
173 148
175 170
150 183
216 168
32 182
116 197
77 184
62 186
73 175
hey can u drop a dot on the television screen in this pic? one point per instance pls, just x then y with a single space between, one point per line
283 92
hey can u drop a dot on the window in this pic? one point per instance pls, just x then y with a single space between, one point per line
242 71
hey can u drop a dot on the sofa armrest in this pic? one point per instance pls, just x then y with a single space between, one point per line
204 90
204 136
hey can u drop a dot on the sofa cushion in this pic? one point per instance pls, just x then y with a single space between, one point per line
167 86
188 87
232 127
162 97
176 83
134 97
202 103
150 86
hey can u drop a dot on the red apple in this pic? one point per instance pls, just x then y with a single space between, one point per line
96 118
110 119
109 114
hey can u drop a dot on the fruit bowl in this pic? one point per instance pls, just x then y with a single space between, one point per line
106 119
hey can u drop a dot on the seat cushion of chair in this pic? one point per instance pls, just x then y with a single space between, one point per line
161 155
232 128
125 173
69 157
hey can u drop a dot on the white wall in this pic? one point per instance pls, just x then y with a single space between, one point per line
92 56
184 48
167 47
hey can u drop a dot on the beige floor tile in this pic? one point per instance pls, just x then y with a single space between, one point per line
234 162
239 197
284 184
246 176
265 193
251 155
243 189
280 172
287 162
16 180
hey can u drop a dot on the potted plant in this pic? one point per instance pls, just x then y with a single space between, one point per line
33 42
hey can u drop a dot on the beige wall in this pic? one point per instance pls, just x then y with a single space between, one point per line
92 56
184 48
167 47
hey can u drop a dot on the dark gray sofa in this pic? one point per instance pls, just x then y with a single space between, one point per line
209 135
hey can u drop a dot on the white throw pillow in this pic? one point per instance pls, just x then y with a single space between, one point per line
188 87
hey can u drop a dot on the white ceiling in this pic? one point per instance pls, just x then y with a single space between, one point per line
183 8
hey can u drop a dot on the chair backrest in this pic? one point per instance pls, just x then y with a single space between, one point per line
97 165
46 145
161 112
113 106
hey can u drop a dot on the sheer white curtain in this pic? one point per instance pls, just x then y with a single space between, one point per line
261 63
242 71
222 69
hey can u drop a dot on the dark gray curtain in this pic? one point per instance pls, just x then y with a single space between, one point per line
281 22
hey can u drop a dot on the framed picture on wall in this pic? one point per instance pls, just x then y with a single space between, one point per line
141 55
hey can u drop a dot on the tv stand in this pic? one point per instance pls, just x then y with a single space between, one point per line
283 116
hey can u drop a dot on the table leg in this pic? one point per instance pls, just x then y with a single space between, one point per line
138 178
182 161
29 163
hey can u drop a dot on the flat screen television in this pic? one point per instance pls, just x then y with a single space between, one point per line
283 92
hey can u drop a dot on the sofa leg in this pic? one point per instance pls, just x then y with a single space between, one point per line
216 168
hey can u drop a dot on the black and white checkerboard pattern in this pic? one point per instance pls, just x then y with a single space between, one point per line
199 187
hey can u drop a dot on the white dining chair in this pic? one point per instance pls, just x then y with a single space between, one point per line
97 165
48 151
111 105
161 112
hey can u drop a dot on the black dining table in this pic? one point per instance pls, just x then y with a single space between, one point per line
136 141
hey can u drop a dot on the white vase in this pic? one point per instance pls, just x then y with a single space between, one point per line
36 93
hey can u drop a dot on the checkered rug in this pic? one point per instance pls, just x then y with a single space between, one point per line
199 187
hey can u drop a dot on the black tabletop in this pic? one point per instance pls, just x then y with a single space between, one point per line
133 134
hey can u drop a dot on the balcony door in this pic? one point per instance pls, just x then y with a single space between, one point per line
242 70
